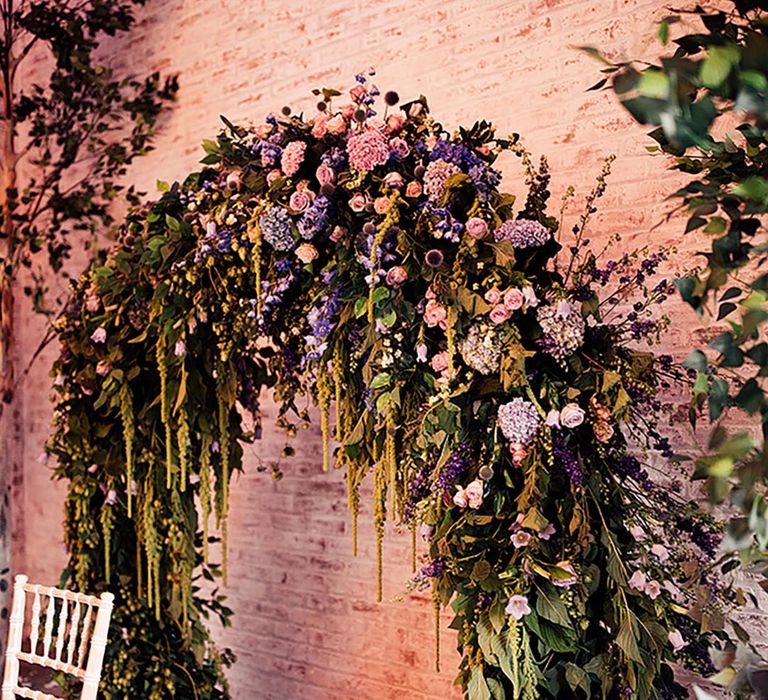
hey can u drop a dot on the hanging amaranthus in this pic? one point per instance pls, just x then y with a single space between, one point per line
165 411
129 436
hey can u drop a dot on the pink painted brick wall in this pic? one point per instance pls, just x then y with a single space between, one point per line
307 624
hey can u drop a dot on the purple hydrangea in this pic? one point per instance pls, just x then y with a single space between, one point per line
523 233
276 229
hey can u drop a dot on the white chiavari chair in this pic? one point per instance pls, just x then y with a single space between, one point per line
75 645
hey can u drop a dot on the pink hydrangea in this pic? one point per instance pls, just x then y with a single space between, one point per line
293 157
368 149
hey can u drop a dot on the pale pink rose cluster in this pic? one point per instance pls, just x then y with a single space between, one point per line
504 304
640 582
292 157
367 149
325 124
569 416
435 315
306 253
302 197
469 497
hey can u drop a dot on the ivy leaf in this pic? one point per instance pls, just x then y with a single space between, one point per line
718 64
627 638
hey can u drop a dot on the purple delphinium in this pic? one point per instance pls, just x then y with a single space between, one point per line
566 458
456 465
418 490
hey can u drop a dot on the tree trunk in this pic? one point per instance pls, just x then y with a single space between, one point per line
9 432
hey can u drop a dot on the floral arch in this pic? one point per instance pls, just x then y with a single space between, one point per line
482 374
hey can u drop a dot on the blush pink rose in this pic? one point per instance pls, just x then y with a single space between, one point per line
396 276
492 296
440 362
380 205
357 202
513 299
474 493
301 199
320 125
571 415
399 147
337 234
477 228
500 313
435 315
394 180
306 253
413 189
273 175
460 498
336 125
325 174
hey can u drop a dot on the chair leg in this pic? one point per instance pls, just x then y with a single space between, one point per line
11 675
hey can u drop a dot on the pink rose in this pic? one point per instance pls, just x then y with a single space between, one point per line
394 180
336 125
273 175
301 199
474 493
325 174
499 314
234 180
381 205
396 276
571 415
460 498
603 431
492 296
477 228
348 111
513 299
395 123
440 362
413 189
399 147
435 315
306 253
357 202
320 126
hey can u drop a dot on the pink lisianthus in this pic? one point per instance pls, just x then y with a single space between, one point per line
421 352
440 362
521 539
553 419
638 581
653 589
518 607
435 315
99 335
500 314
293 157
547 532
513 299
530 298
477 228
396 276
367 149
676 640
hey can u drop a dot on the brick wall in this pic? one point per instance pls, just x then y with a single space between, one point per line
307 624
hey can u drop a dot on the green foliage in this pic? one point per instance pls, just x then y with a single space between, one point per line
720 70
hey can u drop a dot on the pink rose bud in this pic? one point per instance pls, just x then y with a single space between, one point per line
395 123
337 234
396 276
474 493
513 299
499 314
357 202
460 498
477 228
394 180
413 189
325 174
306 253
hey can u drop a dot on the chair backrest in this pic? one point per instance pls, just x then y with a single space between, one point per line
67 632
